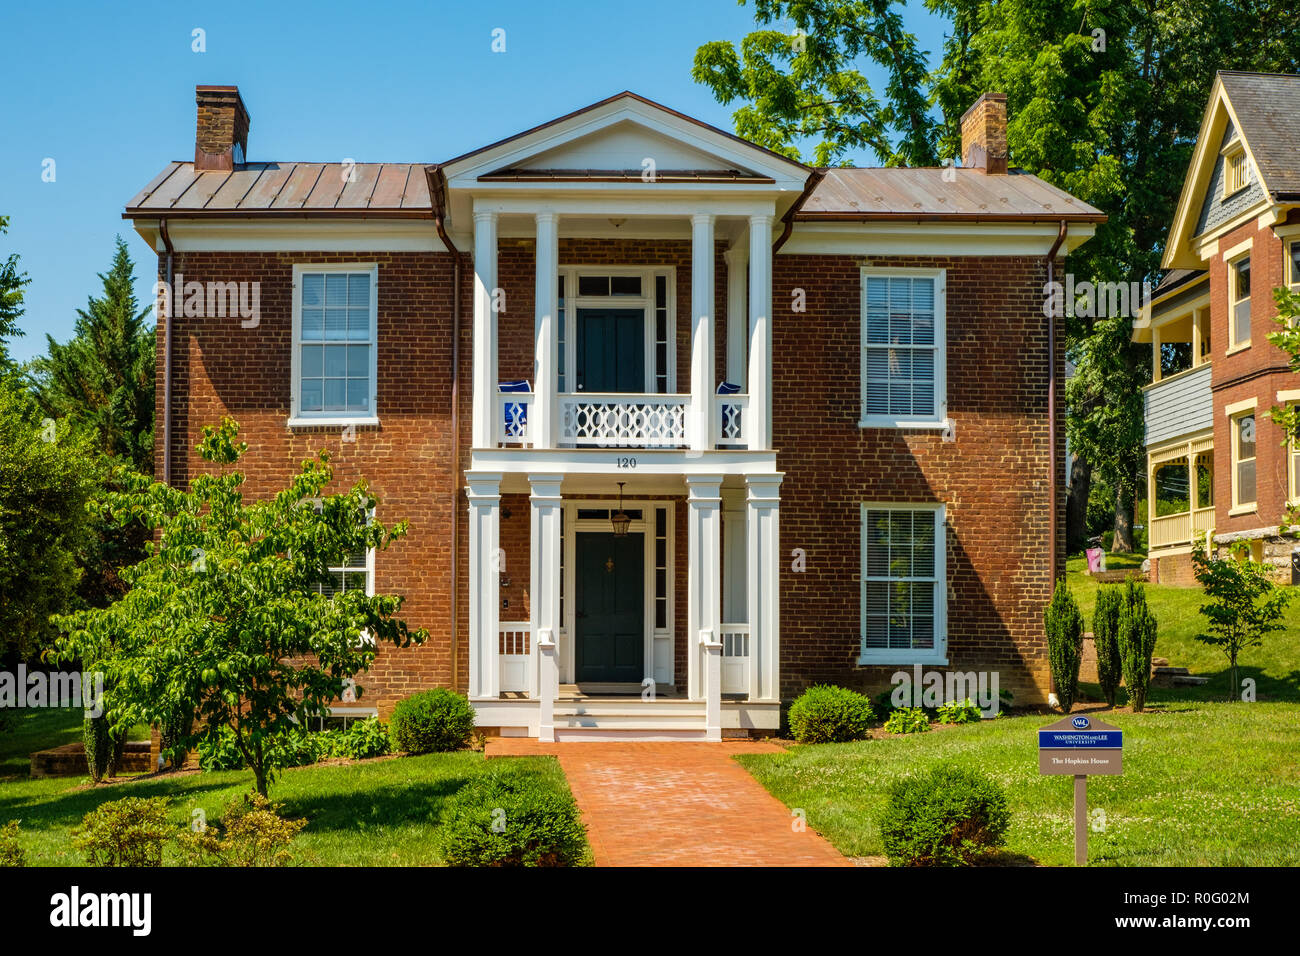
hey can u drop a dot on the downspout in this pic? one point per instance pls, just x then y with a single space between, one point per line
1051 412
167 358
437 196
815 177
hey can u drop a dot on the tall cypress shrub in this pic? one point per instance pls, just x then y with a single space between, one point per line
1064 625
1105 626
1136 636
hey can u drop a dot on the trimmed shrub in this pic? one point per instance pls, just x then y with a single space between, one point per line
11 852
960 712
947 817
1105 626
511 818
128 832
432 721
251 833
1135 634
826 715
99 746
1064 625
907 720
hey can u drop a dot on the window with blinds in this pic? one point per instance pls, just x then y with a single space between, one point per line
903 592
902 347
335 332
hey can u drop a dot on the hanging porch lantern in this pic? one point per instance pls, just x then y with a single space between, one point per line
619 519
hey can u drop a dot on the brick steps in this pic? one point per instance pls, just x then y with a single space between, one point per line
70 760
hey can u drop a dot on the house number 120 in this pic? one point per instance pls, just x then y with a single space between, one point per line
626 462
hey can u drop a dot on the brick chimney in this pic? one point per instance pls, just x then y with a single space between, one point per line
221 136
984 134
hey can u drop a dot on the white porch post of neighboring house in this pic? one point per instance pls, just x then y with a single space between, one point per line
704 605
544 589
542 424
759 427
484 492
737 258
485 329
764 583
703 347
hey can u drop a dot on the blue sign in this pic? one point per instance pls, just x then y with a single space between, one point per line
1097 739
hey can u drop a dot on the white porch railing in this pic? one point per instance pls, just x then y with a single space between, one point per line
516 656
614 420
732 415
1177 529
513 419
735 658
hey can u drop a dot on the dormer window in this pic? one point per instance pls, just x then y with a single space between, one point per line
1236 169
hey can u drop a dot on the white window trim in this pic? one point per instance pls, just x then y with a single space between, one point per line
892 656
367 639
645 302
1235 412
940 418
297 417
1236 147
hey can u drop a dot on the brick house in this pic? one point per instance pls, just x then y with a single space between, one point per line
1216 462
658 404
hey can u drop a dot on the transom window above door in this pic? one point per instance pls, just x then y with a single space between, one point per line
617 330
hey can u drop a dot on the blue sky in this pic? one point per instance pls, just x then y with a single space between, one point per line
106 90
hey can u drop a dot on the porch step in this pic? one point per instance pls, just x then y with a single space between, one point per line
629 719
647 734
598 707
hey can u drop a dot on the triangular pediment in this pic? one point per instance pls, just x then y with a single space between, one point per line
616 137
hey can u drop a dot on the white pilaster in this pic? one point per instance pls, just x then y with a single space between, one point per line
485 328
759 427
484 492
546 375
544 592
764 580
704 605
702 338
737 257
735 605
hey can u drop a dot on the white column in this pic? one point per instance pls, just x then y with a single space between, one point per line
704 606
735 606
546 374
544 595
485 328
737 257
484 492
702 337
759 426
764 583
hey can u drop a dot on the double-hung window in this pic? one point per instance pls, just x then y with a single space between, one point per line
351 572
903 586
1243 460
335 341
1239 301
903 348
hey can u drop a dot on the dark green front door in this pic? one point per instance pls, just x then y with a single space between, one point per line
611 350
610 579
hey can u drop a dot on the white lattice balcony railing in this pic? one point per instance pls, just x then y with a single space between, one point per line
512 419
615 420
731 416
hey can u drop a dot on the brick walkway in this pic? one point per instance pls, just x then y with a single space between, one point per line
677 804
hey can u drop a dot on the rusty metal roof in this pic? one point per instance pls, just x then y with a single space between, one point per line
940 194
389 190
1267 105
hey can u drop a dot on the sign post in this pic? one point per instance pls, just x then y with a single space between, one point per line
1080 746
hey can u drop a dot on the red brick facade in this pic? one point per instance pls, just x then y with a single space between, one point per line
992 477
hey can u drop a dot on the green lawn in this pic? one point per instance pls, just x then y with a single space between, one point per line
1275 667
372 813
1204 784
